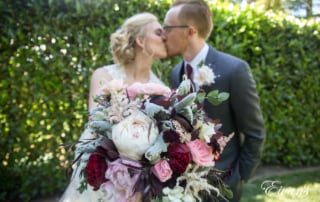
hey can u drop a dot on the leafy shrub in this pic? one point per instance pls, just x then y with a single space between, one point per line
282 52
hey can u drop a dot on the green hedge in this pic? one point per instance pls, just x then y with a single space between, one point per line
49 49
284 56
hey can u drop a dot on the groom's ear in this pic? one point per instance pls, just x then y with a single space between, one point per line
192 30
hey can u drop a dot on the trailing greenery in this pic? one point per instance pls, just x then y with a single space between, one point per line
49 49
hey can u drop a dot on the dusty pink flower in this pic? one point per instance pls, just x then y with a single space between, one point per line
120 182
138 88
113 85
162 170
223 140
201 152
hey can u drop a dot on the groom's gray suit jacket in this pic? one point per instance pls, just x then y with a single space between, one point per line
240 114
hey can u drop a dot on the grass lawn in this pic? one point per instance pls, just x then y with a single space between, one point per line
294 187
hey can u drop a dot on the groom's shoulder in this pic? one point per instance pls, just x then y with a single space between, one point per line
224 56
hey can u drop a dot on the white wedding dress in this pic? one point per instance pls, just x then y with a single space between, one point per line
71 194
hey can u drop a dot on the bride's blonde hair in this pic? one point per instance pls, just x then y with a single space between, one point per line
122 42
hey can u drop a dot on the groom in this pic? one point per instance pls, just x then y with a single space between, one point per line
188 24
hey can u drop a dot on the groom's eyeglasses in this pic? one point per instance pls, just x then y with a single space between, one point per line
166 27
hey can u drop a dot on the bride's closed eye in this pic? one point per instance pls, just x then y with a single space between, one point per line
159 32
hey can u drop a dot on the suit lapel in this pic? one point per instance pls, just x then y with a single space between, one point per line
180 70
211 57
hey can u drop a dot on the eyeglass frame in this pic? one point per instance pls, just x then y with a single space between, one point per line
166 27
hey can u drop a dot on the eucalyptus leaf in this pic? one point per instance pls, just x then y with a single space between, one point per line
201 97
215 98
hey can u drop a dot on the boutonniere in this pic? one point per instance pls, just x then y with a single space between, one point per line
205 75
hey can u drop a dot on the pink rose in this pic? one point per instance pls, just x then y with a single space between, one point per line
162 170
201 152
120 182
138 88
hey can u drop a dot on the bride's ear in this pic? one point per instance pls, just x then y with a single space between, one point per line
139 41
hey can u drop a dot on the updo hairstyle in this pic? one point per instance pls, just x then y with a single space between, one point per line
122 42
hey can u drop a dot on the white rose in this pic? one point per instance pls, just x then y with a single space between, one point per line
134 135
204 76
207 131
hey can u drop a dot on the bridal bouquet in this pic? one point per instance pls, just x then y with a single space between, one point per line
153 143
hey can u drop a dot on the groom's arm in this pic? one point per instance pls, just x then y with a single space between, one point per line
249 120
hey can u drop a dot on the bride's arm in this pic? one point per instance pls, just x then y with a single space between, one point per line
98 78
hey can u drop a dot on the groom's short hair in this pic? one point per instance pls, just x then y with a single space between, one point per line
196 13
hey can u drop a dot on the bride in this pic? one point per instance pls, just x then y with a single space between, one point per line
135 46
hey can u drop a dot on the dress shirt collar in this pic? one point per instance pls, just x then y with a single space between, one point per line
201 56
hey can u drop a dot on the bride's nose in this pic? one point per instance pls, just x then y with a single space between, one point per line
164 36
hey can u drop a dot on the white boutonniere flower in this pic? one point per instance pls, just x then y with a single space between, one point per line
205 75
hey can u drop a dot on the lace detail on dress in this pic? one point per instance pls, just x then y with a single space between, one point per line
117 72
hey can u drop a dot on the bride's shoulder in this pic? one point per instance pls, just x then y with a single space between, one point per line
114 71
111 71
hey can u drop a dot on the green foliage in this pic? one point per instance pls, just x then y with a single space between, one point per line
282 52
49 49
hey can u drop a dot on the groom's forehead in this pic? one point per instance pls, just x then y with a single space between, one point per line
172 14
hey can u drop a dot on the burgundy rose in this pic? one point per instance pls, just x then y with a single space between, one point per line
215 148
161 101
179 157
96 169
107 149
215 145
171 136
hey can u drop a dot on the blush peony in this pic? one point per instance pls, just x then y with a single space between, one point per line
134 135
121 182
147 89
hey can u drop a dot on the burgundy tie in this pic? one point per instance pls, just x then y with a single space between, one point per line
189 76
189 72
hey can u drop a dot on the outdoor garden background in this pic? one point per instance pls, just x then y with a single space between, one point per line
49 49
